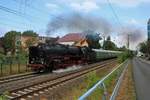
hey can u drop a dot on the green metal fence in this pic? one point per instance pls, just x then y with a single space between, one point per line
13 65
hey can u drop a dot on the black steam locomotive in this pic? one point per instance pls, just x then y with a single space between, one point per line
47 57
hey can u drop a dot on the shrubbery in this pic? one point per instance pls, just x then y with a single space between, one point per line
125 55
20 58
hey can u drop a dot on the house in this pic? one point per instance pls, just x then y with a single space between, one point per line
43 39
28 40
71 38
32 40
82 43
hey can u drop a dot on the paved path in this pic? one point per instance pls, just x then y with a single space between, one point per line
141 74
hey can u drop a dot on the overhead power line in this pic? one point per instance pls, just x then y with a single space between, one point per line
40 11
20 14
115 14
117 18
15 13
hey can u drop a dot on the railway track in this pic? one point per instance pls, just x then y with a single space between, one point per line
29 91
17 77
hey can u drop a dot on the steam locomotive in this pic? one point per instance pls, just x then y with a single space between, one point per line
47 57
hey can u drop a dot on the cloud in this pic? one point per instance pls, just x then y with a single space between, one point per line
132 22
92 5
52 6
128 3
86 6
2 31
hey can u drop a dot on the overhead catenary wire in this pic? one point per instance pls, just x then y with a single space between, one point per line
17 13
115 15
41 11
114 12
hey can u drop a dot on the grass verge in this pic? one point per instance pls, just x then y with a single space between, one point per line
87 83
127 90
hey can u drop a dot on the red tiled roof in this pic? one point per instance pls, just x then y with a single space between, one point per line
71 37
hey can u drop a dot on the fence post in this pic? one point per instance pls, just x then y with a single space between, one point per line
10 67
26 63
18 66
26 66
1 70
105 92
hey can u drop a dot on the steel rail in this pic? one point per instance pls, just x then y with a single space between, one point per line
51 83
4 80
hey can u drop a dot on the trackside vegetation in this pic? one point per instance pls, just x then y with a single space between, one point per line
89 81
13 64
125 55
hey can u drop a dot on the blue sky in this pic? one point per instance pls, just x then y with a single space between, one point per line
35 14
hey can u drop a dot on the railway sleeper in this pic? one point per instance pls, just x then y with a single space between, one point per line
9 97
22 92
28 90
31 88
16 94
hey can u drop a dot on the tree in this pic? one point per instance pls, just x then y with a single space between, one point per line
148 48
93 40
10 41
123 48
30 42
143 47
109 45
108 38
30 33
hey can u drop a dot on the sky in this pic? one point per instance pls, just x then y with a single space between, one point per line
125 16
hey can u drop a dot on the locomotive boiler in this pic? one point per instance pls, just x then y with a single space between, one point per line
47 57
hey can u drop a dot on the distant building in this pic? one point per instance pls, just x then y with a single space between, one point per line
82 43
43 39
71 38
148 29
24 40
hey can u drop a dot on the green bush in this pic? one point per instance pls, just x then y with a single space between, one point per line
19 58
125 55
2 58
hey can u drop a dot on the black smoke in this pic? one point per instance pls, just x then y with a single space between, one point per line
136 34
75 22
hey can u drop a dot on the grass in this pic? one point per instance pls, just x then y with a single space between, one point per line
90 80
109 84
125 55
127 90
3 97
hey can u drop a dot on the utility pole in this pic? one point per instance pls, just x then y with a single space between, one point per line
128 40
128 43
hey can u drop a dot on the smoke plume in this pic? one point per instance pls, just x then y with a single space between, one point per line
136 35
75 22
